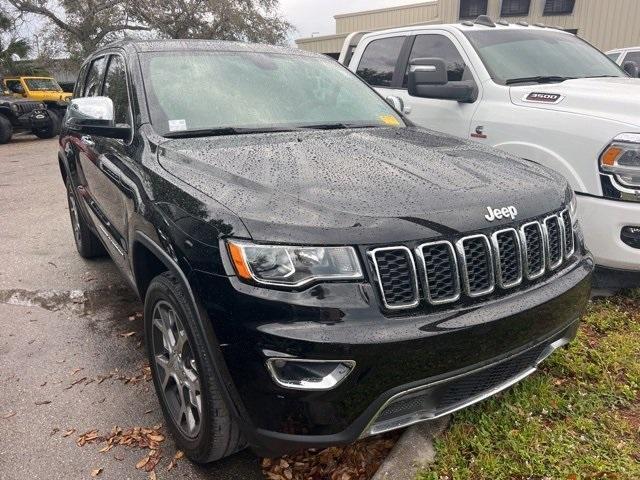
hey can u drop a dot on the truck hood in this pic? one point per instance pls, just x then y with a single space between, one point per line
616 99
362 186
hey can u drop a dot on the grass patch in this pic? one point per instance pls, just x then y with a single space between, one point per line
579 418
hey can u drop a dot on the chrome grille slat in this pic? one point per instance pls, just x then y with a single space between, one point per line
534 250
569 236
440 269
397 277
476 264
508 257
554 240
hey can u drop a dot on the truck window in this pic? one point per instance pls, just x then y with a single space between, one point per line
633 57
379 60
438 46
14 86
94 79
115 87
614 56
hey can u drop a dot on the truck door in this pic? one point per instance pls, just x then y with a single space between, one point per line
448 116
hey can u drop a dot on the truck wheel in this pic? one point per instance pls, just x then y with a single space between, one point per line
6 130
87 244
50 130
184 376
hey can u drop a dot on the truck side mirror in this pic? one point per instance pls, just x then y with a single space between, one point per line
95 116
428 79
631 68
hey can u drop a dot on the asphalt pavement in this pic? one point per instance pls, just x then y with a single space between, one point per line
72 358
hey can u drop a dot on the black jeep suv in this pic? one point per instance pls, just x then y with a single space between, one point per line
314 268
18 115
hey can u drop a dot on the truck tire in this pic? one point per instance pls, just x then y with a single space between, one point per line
6 130
184 375
51 130
87 244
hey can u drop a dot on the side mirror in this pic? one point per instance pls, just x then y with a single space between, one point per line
395 102
94 116
631 68
428 79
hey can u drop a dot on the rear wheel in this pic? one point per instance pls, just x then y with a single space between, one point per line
87 244
6 130
184 376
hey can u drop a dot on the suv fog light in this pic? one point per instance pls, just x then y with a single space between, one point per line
631 236
300 374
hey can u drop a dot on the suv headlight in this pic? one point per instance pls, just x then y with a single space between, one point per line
573 208
622 158
293 266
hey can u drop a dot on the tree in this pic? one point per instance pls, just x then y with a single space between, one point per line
242 20
83 24
10 45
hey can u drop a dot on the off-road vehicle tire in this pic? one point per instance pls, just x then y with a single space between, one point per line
87 243
6 129
167 308
51 130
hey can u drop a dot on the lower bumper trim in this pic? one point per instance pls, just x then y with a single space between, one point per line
435 400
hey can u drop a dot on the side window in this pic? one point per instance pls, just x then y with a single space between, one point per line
14 86
94 78
79 86
614 56
438 46
115 87
379 60
633 57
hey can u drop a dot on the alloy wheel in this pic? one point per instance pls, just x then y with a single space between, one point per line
176 369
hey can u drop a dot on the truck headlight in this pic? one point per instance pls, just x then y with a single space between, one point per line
622 158
293 266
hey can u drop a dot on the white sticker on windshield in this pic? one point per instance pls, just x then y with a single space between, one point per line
177 125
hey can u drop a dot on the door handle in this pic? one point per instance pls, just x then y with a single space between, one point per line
87 140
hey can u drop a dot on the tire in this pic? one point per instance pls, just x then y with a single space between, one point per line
87 244
6 130
51 130
198 418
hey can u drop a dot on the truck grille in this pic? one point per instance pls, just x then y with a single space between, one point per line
26 107
475 266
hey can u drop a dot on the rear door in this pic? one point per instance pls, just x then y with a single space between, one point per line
104 159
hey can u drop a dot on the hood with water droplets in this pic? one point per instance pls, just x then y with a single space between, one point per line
361 186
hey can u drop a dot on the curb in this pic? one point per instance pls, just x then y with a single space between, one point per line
413 451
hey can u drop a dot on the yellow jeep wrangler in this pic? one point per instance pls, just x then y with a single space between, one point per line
40 89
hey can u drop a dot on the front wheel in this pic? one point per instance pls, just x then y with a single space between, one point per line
50 130
6 130
184 375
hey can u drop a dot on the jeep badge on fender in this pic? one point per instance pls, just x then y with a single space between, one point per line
499 213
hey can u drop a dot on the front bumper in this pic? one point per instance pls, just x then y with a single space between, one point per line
431 354
602 222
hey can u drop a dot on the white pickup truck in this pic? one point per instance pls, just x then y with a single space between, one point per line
537 92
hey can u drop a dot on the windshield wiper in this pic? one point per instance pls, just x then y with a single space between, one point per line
221 131
539 79
340 126
603 76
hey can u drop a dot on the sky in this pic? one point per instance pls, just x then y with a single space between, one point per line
316 16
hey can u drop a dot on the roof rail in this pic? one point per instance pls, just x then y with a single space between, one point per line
485 21
523 24
504 23
541 25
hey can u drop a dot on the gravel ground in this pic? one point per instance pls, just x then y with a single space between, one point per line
70 357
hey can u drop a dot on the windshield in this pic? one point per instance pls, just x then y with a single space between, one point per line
190 91
42 84
520 54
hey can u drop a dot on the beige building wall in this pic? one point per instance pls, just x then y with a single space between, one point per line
606 24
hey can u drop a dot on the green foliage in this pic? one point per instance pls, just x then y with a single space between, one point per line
579 418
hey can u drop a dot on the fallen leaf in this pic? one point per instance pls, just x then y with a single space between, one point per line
149 411
96 472
42 402
71 431
76 370
179 454
142 462
127 334
54 431
8 415
156 438
152 475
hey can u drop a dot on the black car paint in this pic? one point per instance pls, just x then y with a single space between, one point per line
161 203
